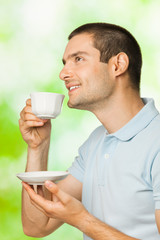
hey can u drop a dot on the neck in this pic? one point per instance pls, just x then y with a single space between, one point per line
119 109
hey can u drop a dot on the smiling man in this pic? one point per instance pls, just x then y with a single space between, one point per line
113 187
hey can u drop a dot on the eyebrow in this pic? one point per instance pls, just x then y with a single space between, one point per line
74 55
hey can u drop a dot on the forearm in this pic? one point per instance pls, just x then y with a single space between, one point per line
98 230
33 220
37 158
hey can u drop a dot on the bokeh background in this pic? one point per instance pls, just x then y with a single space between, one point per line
33 36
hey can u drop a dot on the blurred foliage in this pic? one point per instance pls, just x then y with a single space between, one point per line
33 36
12 145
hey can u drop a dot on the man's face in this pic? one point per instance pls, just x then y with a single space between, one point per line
87 79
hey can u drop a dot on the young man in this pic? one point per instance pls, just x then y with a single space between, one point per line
113 189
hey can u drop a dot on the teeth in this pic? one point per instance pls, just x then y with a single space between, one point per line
73 87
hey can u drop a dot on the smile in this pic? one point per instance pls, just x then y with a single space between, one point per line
73 87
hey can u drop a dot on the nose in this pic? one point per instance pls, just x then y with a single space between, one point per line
65 73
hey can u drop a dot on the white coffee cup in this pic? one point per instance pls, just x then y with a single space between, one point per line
46 105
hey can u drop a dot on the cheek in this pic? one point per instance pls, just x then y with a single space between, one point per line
100 72
90 74
85 74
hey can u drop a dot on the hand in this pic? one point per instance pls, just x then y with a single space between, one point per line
63 207
34 130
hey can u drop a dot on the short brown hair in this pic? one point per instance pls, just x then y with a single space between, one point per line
110 40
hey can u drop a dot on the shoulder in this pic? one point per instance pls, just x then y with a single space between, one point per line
151 135
154 128
156 120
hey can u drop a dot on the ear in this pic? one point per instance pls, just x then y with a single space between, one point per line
120 63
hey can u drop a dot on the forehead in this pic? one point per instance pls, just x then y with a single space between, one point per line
80 43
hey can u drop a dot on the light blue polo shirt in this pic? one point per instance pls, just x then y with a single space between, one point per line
120 173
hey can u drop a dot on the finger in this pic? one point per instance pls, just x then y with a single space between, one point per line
53 188
31 187
21 122
24 111
37 199
27 115
29 109
39 208
26 185
29 118
28 124
32 117
28 102
54 198
22 114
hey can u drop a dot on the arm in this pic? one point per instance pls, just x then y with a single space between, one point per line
157 216
68 209
33 220
36 133
155 174
98 230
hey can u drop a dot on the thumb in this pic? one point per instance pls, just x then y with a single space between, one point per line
53 188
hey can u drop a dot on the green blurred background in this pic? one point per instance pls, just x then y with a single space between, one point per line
33 35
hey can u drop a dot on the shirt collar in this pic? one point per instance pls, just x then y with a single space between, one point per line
138 122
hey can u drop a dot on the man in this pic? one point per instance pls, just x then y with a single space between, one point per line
113 189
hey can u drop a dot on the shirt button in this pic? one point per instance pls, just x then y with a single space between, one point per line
106 156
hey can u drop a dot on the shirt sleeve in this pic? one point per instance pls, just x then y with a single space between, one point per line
156 181
78 166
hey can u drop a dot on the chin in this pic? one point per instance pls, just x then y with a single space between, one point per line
70 105
77 106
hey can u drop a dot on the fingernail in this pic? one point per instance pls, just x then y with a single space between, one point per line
48 184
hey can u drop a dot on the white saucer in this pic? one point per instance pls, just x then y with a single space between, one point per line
39 177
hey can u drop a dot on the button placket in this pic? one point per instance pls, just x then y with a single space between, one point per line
104 159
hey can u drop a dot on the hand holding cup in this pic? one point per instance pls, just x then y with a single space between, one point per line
34 122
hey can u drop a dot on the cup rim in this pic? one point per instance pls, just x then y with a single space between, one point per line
47 93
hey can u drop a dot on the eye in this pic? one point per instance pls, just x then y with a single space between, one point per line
78 59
